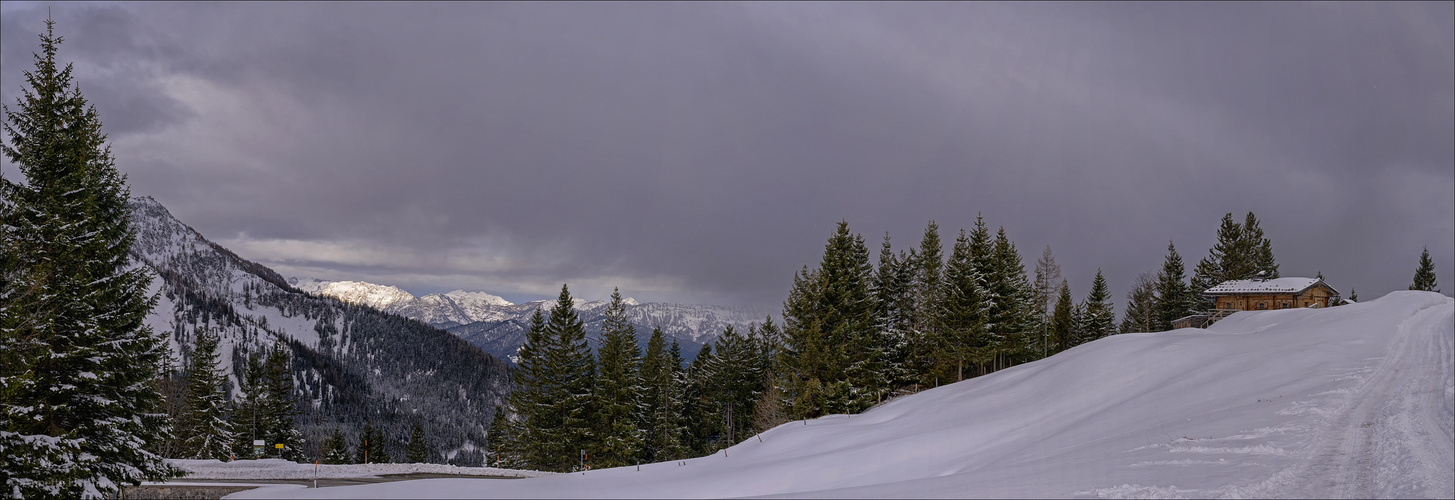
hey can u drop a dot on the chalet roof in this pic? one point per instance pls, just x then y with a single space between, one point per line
1277 285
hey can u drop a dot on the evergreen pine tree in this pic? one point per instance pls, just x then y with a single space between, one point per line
1259 250
661 401
249 414
963 312
617 404
336 448
520 443
1353 296
1063 333
922 338
417 452
569 372
279 409
77 402
1014 314
1100 317
1173 298
204 428
1424 274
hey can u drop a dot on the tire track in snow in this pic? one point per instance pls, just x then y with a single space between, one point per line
1389 440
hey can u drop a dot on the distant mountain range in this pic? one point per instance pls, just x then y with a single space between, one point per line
352 363
498 326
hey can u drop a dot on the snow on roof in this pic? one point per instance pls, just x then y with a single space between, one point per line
1277 285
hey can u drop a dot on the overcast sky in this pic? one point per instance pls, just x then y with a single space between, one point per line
703 152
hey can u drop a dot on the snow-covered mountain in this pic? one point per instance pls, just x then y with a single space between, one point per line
351 362
498 326
1354 401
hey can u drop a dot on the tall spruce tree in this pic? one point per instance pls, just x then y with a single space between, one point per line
618 438
1063 325
527 403
920 346
204 428
279 407
76 359
1173 298
1013 314
963 311
1424 274
569 372
1100 317
661 401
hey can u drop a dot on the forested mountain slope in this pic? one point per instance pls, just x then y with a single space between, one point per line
351 363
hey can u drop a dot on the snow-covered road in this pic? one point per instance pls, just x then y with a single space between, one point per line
1393 438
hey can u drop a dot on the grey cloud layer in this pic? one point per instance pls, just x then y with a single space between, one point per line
704 152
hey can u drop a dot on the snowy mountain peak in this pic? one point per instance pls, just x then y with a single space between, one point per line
478 297
356 292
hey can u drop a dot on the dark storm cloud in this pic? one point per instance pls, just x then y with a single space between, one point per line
703 152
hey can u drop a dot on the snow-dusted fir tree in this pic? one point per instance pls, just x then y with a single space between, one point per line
336 448
962 310
1063 322
1100 317
280 407
661 402
922 338
249 415
1425 274
617 396
1014 314
1173 297
204 428
526 409
76 360
569 372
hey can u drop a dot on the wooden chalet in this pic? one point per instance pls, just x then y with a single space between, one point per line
1260 294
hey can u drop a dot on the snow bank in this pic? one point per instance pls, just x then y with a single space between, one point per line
1352 401
274 468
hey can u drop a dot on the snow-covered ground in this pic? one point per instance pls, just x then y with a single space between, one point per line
273 468
1352 401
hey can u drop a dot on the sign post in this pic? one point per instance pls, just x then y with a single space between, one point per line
257 448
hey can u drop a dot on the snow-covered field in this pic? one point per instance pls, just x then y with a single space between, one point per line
273 468
1352 401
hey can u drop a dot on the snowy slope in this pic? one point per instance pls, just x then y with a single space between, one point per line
1353 401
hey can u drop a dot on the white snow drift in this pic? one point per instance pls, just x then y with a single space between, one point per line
1353 401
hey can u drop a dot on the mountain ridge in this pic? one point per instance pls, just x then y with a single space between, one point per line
351 363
